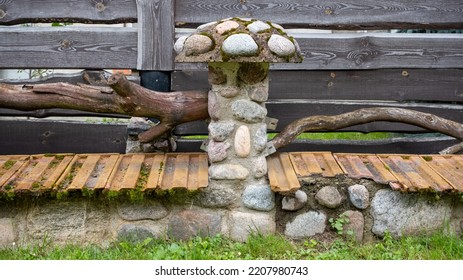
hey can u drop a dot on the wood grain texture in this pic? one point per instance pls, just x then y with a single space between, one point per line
384 84
68 47
423 145
328 14
326 51
288 110
83 11
156 31
34 137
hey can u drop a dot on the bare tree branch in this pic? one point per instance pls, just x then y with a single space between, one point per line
122 97
362 116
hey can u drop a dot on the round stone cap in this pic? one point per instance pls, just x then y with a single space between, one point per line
238 40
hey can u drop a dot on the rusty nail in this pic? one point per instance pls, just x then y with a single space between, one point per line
100 7
405 73
333 75
2 13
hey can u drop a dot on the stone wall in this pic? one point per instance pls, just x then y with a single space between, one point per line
365 209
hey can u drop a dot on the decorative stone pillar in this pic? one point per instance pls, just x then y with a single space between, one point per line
238 52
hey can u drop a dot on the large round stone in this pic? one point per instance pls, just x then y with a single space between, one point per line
226 26
217 151
280 45
248 111
306 225
178 46
219 131
240 45
359 196
188 224
259 167
259 197
329 196
258 26
242 141
228 172
197 44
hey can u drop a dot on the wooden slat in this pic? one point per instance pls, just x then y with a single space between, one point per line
33 173
203 175
385 84
281 173
157 167
166 177
51 180
33 137
356 51
155 34
68 47
360 14
32 11
180 172
14 169
107 170
133 171
448 168
434 179
80 179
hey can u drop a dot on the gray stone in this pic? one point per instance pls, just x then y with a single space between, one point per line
248 111
178 46
217 151
138 125
329 196
306 225
228 172
259 197
356 224
259 167
134 233
197 44
191 223
407 214
260 139
258 26
277 26
359 196
146 210
280 45
59 220
7 236
240 45
258 94
294 203
217 195
132 146
213 106
220 131
229 92
242 224
226 26
242 141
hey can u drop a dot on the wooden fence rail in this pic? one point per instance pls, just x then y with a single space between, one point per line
340 72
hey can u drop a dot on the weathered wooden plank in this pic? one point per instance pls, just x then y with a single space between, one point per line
68 47
84 173
100 11
326 51
156 31
157 165
44 113
384 84
358 14
331 14
72 77
423 145
32 137
289 110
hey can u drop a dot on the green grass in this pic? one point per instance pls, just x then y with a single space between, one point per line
435 247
